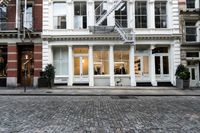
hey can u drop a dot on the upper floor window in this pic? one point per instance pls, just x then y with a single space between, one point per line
121 14
160 14
190 3
3 17
140 14
191 32
100 10
59 15
29 17
80 15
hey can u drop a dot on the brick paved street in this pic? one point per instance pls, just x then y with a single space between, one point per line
81 114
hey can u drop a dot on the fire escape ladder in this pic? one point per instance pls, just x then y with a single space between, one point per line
127 36
4 2
104 14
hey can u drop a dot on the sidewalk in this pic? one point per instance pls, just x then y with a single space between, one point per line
99 91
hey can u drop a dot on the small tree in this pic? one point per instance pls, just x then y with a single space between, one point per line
182 72
49 73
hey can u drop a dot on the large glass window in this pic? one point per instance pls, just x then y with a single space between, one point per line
121 59
3 17
101 60
191 31
59 15
100 10
80 15
121 14
140 14
3 61
60 60
160 14
190 3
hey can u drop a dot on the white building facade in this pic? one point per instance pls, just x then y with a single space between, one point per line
86 41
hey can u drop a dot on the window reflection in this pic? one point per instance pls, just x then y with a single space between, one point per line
121 59
101 61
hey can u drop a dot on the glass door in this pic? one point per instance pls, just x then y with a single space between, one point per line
162 67
81 68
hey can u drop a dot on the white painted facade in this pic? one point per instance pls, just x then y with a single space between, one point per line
146 40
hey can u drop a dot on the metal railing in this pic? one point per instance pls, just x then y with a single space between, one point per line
5 26
105 13
9 26
126 35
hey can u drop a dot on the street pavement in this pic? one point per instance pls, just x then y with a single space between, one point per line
99 114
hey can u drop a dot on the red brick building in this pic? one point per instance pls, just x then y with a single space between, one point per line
20 42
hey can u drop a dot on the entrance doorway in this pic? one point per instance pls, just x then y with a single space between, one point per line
81 66
142 67
194 81
162 67
25 65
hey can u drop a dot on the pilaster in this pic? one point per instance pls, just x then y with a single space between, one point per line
111 65
70 67
131 65
153 73
91 70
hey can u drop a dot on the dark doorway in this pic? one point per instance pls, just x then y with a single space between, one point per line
25 65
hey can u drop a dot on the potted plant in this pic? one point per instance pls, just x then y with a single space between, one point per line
182 77
47 76
49 72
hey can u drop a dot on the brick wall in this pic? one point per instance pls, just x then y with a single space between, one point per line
37 59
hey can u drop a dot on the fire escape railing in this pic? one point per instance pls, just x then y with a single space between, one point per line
126 34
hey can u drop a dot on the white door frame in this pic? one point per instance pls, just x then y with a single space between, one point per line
194 81
162 76
81 78
141 76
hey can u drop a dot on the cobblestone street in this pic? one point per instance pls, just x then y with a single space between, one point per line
99 114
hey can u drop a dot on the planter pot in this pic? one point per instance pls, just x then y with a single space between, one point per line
42 82
182 84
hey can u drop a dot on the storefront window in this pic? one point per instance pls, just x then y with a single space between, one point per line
60 60
121 59
3 61
101 61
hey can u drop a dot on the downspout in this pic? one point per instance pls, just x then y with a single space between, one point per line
25 6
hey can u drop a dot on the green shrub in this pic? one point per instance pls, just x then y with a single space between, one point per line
182 72
49 73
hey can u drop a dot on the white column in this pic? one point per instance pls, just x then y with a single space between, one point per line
111 17
45 54
151 14
131 65
50 53
131 14
70 15
153 72
169 14
91 70
90 13
111 66
176 58
171 62
70 66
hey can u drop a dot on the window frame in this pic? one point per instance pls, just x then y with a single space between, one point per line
84 15
189 3
59 25
121 16
101 59
161 15
190 27
140 15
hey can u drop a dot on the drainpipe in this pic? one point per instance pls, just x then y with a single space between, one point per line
16 18
25 6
